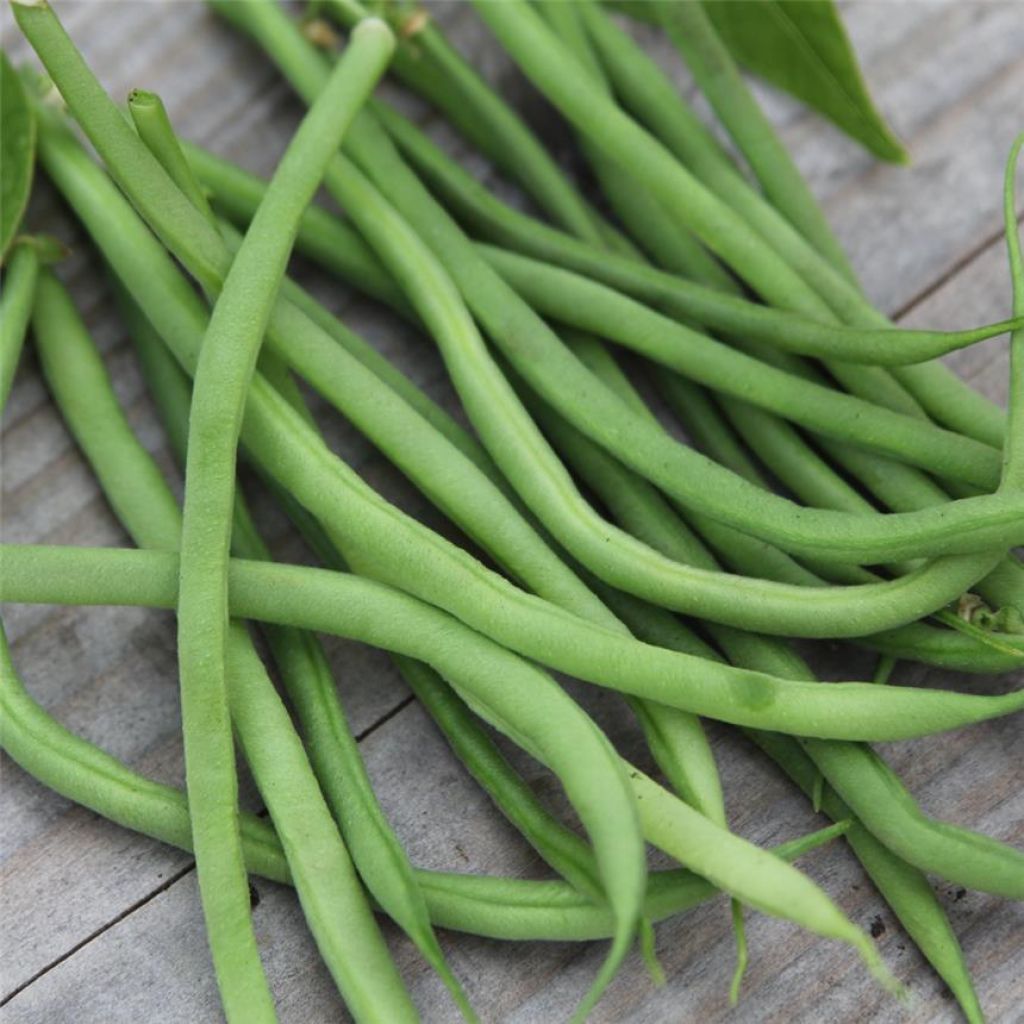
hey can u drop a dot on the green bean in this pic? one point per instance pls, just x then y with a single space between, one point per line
1013 450
15 310
149 115
332 899
303 667
501 908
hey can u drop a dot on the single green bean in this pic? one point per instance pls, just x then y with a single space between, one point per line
226 362
149 115
279 438
16 310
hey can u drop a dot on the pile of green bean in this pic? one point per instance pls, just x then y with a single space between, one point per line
836 482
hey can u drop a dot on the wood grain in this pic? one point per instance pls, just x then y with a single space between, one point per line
101 925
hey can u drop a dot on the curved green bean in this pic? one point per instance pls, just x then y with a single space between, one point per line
15 310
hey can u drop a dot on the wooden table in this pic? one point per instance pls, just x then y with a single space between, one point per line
100 925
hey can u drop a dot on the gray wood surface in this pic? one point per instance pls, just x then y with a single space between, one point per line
100 925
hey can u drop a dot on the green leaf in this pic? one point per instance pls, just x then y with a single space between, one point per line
800 46
17 152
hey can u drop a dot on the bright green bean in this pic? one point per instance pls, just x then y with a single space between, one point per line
331 897
226 362
16 310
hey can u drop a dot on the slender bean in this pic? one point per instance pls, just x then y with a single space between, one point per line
16 310
495 681
316 600
149 115
225 364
